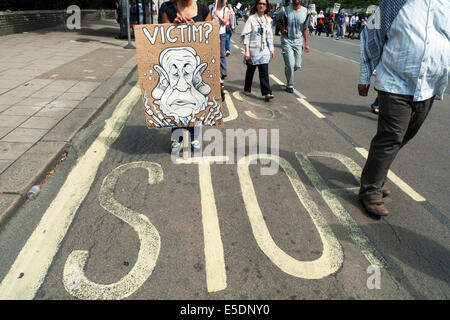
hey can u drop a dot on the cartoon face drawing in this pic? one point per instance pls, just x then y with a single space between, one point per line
180 92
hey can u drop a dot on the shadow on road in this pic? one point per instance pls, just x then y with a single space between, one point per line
415 250
359 111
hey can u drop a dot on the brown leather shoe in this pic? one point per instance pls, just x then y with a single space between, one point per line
386 191
375 207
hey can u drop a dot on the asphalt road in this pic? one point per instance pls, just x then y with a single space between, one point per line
119 219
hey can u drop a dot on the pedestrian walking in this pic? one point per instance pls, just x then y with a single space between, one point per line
259 50
346 25
222 14
353 25
230 30
320 23
340 25
313 22
293 21
407 81
184 12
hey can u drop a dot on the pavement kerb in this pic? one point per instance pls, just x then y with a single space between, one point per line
12 197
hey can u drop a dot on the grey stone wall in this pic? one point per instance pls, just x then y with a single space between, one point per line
26 21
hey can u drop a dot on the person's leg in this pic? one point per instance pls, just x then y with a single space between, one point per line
227 42
223 60
298 59
249 77
419 114
264 79
394 118
288 56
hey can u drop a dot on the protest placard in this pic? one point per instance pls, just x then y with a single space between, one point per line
179 73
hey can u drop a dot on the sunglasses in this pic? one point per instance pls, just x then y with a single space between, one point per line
262 3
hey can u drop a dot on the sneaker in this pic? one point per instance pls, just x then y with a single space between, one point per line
175 147
290 90
267 97
196 146
227 53
247 93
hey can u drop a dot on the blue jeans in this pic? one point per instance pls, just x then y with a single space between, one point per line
223 61
339 31
227 42
292 62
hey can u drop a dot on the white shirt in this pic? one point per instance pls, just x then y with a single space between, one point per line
416 57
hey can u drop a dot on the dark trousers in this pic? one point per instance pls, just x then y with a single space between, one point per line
223 61
400 118
263 78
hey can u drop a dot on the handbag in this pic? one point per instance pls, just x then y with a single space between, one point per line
228 29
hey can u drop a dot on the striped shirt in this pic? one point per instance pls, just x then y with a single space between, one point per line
415 59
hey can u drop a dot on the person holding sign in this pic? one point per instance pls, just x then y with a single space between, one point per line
293 22
183 12
259 49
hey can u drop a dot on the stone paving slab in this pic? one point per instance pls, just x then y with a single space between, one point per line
5 131
52 84
8 204
34 163
24 135
70 125
12 151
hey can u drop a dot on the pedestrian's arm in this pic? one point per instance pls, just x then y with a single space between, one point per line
365 71
305 37
247 46
270 43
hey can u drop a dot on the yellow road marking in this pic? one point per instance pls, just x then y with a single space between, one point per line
74 279
38 252
311 108
332 256
276 80
355 232
232 112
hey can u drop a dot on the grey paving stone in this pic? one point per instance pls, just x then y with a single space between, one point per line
12 150
7 98
4 164
31 167
84 87
61 85
91 103
39 102
40 123
5 131
11 121
24 135
52 112
41 94
3 107
70 125
21 110
8 204
74 96
68 104
20 92
9 84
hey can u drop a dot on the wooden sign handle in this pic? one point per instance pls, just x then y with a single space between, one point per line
186 140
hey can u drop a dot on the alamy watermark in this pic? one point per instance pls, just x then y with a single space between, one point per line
235 146
74 20
374 281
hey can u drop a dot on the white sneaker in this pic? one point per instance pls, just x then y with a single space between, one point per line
196 146
227 53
